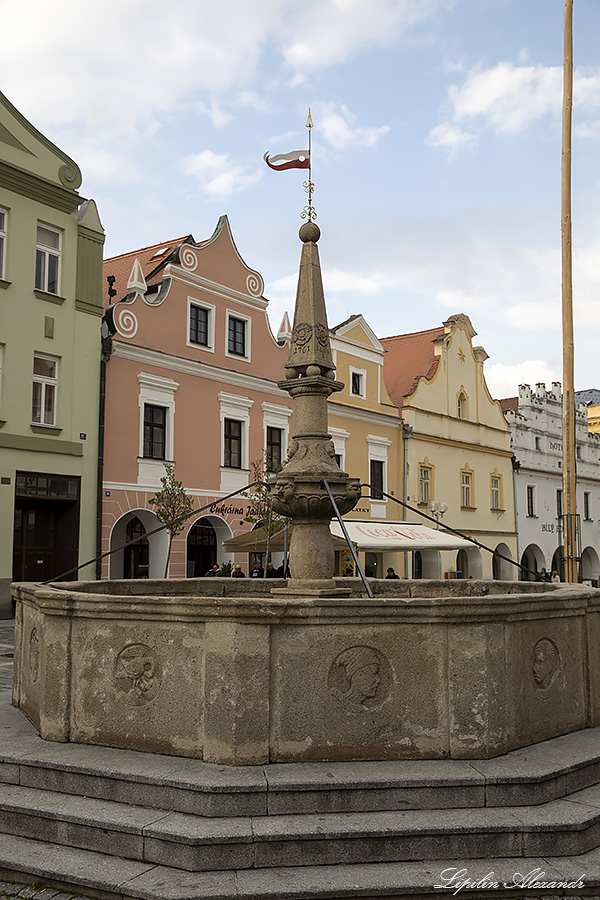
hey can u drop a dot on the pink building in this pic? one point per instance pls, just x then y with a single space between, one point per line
191 379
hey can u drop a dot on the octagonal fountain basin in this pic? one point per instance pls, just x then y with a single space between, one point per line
222 670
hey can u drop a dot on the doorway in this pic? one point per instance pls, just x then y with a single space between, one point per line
46 526
136 557
201 548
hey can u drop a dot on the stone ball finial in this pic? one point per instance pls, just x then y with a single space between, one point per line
309 232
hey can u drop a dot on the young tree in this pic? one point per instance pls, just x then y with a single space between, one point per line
170 503
260 506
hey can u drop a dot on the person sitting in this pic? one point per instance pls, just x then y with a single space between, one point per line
391 573
555 577
257 571
237 572
271 571
213 571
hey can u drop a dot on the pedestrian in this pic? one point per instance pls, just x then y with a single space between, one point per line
271 570
391 573
555 577
543 576
257 571
237 572
213 571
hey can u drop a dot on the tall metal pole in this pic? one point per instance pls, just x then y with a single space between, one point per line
569 434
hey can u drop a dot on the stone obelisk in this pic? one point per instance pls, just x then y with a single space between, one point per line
298 490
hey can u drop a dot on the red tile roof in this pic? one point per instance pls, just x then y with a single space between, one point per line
408 358
152 260
509 403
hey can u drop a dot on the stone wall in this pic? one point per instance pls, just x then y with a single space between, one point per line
247 679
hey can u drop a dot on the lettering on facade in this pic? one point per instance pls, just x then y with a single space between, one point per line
360 676
555 445
549 527
223 510
138 674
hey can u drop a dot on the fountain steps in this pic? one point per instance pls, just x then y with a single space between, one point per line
128 824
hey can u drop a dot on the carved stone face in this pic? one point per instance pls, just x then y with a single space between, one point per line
546 663
366 681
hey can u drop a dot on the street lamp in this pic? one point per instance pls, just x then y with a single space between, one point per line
437 510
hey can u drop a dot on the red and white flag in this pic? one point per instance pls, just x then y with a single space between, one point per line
298 159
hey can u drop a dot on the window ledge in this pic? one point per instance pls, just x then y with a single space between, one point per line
469 508
497 509
50 298
4 284
45 429
3 423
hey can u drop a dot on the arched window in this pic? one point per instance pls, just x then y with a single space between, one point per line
462 406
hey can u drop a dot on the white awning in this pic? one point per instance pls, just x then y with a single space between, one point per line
374 536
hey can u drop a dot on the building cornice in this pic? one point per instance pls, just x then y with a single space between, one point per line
180 364
212 287
363 415
27 185
462 445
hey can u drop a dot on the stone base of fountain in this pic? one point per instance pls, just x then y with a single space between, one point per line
423 670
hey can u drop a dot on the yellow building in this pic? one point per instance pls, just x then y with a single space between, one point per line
593 415
366 430
457 456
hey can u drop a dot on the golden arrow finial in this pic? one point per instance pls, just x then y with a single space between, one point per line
308 212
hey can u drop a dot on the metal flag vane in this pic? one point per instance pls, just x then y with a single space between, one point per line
297 159
309 212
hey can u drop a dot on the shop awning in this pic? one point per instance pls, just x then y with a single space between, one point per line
365 535
377 536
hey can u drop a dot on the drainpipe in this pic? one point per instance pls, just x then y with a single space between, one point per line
406 434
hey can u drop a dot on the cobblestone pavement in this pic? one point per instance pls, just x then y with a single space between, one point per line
35 891
7 637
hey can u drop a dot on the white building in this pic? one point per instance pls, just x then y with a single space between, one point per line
535 421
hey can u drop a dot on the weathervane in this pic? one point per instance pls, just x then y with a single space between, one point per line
298 159
308 212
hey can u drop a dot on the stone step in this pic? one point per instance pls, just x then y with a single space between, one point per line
525 777
92 873
568 826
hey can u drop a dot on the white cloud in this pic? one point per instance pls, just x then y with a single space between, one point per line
340 127
218 176
508 98
504 380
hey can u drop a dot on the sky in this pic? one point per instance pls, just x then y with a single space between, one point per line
436 150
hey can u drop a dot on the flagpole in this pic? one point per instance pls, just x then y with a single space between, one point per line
569 430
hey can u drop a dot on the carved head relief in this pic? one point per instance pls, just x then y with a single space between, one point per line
546 666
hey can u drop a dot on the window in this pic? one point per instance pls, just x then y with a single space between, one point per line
559 510
45 382
47 258
274 445
496 490
466 483
338 459
199 325
236 336
376 479
587 514
2 241
462 406
358 382
424 484
578 452
233 444
530 500
155 431
538 443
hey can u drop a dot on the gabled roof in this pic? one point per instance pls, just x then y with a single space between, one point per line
509 403
152 260
408 358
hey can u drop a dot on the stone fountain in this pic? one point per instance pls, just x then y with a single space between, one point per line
231 672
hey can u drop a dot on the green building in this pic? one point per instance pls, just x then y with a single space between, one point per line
50 317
